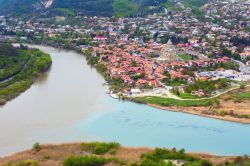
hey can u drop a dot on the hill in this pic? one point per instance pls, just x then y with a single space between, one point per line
82 7
119 8
98 154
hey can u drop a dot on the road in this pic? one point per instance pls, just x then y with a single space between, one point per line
166 92
14 74
243 68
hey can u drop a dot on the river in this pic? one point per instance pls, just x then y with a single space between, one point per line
70 104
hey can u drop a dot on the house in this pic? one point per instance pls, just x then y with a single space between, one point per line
191 80
124 37
248 63
199 93
244 55
202 78
83 47
153 82
181 89
100 38
141 82
136 91
23 38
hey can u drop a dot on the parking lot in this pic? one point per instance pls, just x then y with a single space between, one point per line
229 74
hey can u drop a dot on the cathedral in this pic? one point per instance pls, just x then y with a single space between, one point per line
168 52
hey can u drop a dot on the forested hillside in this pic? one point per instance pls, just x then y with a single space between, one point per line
18 68
86 7
119 8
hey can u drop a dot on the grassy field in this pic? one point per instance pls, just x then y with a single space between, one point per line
243 96
188 96
173 102
185 56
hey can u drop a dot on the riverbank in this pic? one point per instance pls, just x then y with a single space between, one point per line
233 106
37 63
48 155
200 112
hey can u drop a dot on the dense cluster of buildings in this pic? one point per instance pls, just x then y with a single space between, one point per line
143 51
132 64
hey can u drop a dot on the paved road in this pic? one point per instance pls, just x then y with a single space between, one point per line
243 67
244 71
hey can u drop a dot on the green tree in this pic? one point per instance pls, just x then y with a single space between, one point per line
124 8
36 147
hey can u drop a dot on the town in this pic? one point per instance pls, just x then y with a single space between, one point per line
173 54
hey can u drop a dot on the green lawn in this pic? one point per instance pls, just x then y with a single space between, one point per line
173 82
188 96
185 56
172 102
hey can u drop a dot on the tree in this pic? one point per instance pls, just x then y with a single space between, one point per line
36 147
182 151
242 86
133 64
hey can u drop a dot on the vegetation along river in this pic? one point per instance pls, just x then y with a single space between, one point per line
70 104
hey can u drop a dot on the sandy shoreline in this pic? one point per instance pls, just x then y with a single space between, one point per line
199 112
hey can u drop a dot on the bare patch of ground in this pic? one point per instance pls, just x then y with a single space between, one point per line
228 109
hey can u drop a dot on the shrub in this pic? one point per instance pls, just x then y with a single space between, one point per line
237 100
47 157
28 163
182 151
99 148
101 68
23 163
163 157
36 147
113 151
172 102
242 86
85 161
148 162
228 97
245 116
223 113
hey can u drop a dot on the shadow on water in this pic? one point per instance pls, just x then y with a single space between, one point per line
42 78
